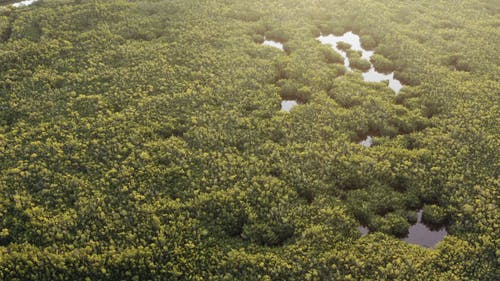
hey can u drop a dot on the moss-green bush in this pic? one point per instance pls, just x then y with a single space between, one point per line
330 55
338 30
353 54
245 15
257 38
326 28
407 77
360 64
411 217
345 100
434 215
368 42
343 46
391 223
293 90
381 63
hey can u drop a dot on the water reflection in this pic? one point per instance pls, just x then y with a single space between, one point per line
422 235
273 44
372 75
18 4
287 105
368 142
363 229
350 38
24 3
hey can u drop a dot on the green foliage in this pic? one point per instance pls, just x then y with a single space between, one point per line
343 46
330 55
143 140
360 64
368 42
331 27
245 14
456 62
292 90
412 217
353 54
434 215
278 35
381 63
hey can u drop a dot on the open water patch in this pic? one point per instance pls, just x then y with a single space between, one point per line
423 235
369 76
272 43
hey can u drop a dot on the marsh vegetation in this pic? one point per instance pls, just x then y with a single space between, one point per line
150 140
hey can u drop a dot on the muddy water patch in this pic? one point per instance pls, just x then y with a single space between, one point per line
24 3
374 76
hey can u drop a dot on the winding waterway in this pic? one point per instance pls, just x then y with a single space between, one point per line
423 235
371 75
24 3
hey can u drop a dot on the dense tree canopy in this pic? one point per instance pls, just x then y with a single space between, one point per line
143 140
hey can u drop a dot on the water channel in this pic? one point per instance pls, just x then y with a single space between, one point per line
371 75
423 235
287 105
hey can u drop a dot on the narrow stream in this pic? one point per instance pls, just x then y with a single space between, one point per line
286 105
371 75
